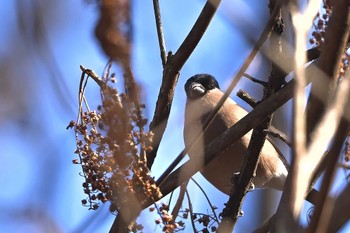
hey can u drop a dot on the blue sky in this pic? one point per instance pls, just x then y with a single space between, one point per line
40 183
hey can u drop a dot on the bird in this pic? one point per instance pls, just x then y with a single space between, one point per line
203 93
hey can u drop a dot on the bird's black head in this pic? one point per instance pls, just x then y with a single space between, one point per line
199 84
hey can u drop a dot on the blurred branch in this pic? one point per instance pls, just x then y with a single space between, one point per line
322 136
340 214
171 74
320 218
117 46
291 200
115 40
336 38
335 43
32 25
241 186
304 161
265 228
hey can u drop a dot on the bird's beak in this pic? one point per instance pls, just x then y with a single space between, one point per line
195 90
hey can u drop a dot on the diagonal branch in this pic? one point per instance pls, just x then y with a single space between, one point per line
250 121
263 37
171 75
241 186
304 161
340 214
320 218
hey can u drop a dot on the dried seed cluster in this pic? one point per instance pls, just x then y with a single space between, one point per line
318 34
347 150
344 64
166 219
111 145
208 222
320 23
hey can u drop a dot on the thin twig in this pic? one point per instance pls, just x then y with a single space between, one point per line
207 198
251 78
160 34
272 131
191 211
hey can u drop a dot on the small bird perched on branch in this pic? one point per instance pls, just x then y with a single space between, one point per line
203 94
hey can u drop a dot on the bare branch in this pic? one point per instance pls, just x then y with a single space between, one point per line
207 198
251 120
170 78
171 75
263 83
265 228
304 161
263 37
320 218
308 162
161 40
233 207
336 38
178 204
340 214
191 211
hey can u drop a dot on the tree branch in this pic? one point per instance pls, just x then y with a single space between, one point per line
340 213
304 161
171 75
320 217
160 32
265 228
336 38
178 204
250 121
263 37
240 188
166 93
322 136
